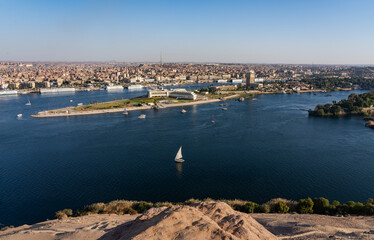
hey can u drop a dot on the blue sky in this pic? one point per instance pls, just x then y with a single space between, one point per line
268 31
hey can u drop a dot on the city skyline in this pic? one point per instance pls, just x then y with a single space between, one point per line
288 32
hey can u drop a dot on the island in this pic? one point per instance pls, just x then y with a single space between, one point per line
356 104
155 99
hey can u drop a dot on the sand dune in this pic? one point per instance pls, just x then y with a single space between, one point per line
207 220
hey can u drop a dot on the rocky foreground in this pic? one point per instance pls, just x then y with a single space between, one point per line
206 220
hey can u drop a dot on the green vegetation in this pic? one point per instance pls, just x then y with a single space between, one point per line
305 206
354 105
333 84
139 101
220 95
321 205
142 207
63 213
278 205
6 228
281 207
106 105
247 95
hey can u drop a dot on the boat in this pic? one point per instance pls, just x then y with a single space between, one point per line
80 104
114 88
135 87
143 116
224 109
28 103
283 92
183 111
19 115
212 121
125 112
223 104
179 158
56 90
8 92
241 99
71 100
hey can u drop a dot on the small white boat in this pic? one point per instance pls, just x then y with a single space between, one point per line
80 104
143 116
179 158
183 111
28 103
224 109
125 112
71 100
19 115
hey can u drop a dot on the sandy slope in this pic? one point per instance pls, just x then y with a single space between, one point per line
87 227
304 226
207 220
199 221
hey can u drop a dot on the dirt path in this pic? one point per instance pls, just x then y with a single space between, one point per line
304 226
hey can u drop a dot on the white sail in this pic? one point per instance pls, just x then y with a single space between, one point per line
28 103
179 154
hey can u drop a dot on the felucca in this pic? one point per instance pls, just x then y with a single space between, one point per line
28 103
179 157
125 112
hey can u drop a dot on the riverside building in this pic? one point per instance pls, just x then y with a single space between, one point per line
177 93
250 80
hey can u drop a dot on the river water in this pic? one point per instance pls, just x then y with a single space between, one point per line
259 149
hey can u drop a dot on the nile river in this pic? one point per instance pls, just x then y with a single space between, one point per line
259 149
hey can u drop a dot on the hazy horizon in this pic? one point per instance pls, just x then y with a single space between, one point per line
336 32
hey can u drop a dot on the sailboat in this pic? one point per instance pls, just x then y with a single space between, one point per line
125 112
212 121
179 158
28 103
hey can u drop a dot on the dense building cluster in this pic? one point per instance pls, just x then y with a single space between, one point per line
19 75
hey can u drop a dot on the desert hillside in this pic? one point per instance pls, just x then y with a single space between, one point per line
205 220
